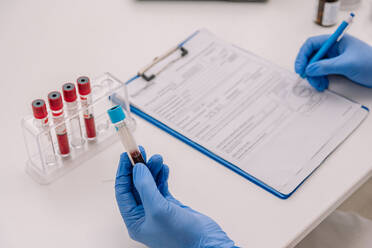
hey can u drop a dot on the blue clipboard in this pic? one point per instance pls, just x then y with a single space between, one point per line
197 146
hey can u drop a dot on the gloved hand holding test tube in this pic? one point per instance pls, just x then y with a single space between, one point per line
117 117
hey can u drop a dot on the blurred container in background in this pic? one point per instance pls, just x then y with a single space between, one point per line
326 12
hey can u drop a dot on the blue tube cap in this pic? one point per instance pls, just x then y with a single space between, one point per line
116 114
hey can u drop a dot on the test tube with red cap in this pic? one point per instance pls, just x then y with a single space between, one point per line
84 89
69 95
42 122
56 106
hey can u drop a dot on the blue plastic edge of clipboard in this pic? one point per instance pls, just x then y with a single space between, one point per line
205 151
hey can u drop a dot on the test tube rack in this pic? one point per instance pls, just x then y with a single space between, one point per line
103 88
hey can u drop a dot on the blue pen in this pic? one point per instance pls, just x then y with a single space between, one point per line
335 37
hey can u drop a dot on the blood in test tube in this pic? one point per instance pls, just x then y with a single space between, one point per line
64 147
42 122
84 89
90 126
137 157
56 106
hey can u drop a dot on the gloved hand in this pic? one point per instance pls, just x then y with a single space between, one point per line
349 57
161 220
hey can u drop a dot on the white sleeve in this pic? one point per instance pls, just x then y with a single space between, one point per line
341 230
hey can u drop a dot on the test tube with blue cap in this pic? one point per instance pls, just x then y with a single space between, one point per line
118 118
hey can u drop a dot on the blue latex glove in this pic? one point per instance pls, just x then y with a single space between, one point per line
349 57
161 220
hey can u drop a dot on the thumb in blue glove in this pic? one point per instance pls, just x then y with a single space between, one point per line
160 220
349 57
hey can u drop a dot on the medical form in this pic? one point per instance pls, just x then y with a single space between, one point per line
248 111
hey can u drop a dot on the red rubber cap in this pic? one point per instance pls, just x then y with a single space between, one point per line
39 109
55 101
83 84
69 92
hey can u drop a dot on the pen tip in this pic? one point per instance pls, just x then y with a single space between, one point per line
352 14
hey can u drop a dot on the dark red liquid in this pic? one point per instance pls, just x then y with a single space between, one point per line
90 127
137 157
64 147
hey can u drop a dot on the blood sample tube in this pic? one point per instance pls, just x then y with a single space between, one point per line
117 117
69 95
42 122
84 89
56 105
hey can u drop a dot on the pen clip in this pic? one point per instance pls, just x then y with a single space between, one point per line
342 35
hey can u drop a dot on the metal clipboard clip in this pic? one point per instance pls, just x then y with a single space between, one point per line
156 60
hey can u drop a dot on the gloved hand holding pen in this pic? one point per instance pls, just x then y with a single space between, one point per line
161 220
350 57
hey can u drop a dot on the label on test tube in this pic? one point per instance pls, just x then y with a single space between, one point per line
42 122
56 105
86 102
69 95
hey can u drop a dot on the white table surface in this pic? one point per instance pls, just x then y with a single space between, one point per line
46 43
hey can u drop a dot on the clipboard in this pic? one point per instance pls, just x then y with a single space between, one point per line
177 53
